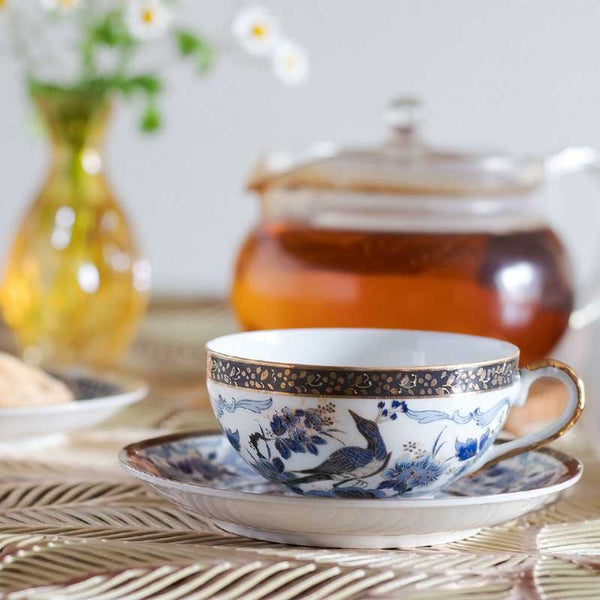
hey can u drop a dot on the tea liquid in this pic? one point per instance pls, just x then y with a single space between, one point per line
513 285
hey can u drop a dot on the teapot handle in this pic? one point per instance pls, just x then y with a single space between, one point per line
572 160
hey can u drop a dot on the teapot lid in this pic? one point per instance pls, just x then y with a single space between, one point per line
402 164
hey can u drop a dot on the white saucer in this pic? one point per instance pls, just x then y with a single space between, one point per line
202 473
97 397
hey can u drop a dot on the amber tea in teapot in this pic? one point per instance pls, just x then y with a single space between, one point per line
404 237
446 281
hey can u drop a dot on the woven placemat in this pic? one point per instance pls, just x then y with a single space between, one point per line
73 526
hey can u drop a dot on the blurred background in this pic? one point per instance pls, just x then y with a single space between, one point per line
499 75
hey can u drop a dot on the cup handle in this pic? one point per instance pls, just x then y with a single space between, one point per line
548 367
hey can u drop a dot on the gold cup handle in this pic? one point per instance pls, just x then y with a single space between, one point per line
575 403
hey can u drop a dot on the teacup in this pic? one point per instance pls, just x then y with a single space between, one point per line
374 413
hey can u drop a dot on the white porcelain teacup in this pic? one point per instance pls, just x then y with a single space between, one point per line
372 412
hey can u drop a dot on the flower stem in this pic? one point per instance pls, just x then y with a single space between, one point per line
88 61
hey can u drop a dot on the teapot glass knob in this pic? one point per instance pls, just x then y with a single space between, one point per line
404 115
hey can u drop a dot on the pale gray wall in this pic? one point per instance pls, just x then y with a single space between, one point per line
516 74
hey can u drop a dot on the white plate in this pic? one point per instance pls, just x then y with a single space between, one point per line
97 397
202 473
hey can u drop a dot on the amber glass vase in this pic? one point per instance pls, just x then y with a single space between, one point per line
75 285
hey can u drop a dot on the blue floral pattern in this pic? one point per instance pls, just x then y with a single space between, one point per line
234 439
210 461
296 431
407 475
290 432
466 449
311 449
472 447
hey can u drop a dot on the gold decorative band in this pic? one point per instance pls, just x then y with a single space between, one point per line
342 381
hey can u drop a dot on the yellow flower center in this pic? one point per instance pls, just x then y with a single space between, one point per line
148 16
66 3
3 3
259 30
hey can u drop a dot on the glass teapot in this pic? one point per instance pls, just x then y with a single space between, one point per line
403 235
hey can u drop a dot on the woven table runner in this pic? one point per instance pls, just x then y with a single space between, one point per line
72 525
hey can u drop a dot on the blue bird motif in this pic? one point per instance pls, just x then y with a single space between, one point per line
351 463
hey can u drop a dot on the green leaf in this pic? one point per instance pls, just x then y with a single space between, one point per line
187 41
192 45
112 31
148 83
205 58
151 119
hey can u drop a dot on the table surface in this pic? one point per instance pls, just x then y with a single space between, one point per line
72 525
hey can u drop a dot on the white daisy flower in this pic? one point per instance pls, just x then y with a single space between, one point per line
60 5
256 30
147 19
290 63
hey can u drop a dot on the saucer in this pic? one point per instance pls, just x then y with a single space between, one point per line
96 398
202 473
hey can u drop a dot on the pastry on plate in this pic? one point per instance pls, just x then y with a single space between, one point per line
23 385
